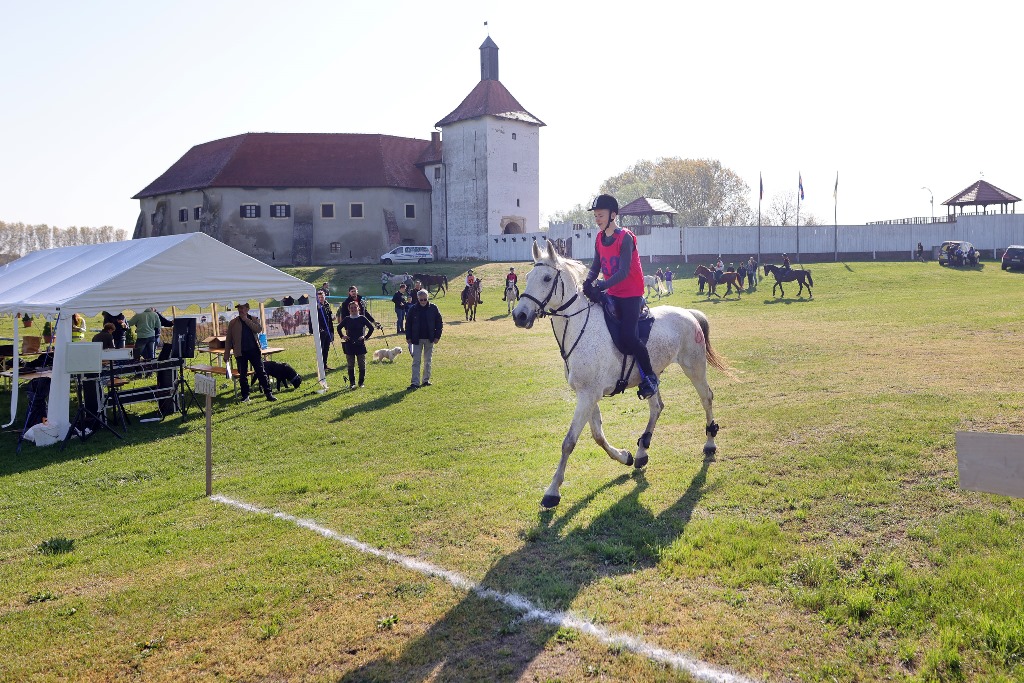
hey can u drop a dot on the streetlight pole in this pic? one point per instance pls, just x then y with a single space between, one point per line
932 201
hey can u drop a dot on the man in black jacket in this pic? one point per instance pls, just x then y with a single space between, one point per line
422 330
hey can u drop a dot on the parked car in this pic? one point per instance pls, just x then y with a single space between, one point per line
947 253
408 255
1013 257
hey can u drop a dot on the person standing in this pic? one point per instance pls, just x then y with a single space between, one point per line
354 295
423 329
105 336
668 280
147 325
920 252
400 306
618 261
120 327
78 328
325 320
751 272
355 329
326 289
243 342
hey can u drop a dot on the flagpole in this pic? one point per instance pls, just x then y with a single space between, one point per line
760 196
800 187
835 216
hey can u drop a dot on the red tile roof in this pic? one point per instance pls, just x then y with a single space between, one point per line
981 193
490 98
297 160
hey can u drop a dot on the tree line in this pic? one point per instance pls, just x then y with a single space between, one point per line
703 191
18 239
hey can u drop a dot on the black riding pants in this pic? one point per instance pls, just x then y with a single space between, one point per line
629 308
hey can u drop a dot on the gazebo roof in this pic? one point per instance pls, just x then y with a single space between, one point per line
981 193
646 206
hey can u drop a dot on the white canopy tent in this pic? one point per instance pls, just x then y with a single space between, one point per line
178 270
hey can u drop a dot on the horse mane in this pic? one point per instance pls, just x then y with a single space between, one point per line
575 268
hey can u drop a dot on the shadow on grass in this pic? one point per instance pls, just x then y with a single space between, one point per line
480 639
786 300
376 404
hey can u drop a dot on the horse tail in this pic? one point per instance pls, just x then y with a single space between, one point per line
715 359
810 280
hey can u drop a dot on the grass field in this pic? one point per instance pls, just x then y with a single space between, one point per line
827 541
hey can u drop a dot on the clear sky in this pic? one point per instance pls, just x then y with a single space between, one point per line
100 98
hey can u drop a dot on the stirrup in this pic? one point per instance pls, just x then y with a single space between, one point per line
648 387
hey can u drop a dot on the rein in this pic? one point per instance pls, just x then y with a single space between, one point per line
557 312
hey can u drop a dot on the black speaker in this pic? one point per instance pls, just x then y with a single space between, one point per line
183 340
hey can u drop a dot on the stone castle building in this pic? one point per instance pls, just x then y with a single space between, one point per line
331 198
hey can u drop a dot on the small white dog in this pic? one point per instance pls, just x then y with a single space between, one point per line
381 354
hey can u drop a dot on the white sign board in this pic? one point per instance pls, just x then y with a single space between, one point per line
205 384
991 463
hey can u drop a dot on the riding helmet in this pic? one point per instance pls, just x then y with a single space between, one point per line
605 201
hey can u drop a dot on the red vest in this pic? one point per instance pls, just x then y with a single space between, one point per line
633 285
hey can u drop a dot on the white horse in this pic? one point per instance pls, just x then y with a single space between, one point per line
387 278
510 294
652 282
593 365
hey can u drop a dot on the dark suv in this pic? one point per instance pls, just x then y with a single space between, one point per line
1013 257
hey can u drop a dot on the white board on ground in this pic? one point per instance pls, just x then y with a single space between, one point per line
991 463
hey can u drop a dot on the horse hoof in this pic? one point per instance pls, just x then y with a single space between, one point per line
549 501
710 450
640 462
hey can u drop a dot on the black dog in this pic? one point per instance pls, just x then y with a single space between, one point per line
282 372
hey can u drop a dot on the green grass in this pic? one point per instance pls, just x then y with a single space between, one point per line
828 540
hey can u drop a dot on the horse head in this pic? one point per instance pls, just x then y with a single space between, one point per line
552 285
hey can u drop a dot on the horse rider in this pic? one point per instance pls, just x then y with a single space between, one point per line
514 279
785 262
471 281
618 261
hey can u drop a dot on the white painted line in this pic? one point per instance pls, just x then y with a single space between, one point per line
696 668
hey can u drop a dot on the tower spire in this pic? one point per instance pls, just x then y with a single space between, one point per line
488 60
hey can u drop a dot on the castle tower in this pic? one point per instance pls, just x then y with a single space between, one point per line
488 180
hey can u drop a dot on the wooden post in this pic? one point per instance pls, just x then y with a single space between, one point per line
209 445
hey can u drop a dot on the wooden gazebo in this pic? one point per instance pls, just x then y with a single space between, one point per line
983 194
645 213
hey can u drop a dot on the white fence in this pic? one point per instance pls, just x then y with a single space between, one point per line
989 233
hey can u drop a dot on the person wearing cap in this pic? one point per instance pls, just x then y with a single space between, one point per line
470 280
514 279
423 328
618 261
243 342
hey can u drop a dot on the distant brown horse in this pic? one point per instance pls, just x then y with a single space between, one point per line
790 275
470 299
729 279
439 282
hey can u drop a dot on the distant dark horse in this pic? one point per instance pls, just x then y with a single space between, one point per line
439 282
781 275
706 275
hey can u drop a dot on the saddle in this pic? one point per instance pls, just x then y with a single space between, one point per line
643 330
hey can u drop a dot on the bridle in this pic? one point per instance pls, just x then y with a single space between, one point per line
557 312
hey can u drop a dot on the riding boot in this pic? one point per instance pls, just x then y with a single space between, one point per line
648 386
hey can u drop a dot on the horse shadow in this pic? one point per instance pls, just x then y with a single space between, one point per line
481 639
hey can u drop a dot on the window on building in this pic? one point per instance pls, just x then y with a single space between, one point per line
515 168
437 173
335 247
280 210
183 215
410 211
249 211
355 210
513 136
197 212
327 211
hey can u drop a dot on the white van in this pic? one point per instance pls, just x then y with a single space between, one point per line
408 255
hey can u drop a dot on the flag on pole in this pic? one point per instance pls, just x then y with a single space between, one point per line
761 178
800 181
835 192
